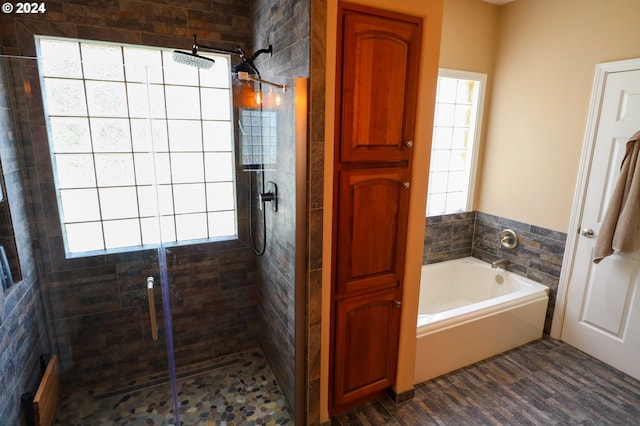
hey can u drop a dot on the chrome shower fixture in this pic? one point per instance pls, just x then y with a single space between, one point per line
247 65
508 239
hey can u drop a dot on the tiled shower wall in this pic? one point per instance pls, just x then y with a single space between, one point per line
285 25
538 255
315 206
99 307
23 331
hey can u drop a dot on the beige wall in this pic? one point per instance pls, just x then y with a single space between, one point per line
431 11
469 35
544 68
469 43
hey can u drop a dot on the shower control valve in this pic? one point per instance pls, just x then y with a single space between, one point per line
508 239
271 196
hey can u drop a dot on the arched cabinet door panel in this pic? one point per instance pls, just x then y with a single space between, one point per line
366 344
372 227
379 70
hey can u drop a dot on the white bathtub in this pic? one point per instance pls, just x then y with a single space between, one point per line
465 316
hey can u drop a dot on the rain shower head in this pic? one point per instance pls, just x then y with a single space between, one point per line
196 60
193 59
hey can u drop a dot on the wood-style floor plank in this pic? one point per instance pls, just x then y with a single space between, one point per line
546 382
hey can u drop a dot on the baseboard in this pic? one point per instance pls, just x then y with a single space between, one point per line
402 397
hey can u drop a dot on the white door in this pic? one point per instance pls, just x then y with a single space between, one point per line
602 314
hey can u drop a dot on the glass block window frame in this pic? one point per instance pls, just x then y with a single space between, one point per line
141 146
258 138
456 135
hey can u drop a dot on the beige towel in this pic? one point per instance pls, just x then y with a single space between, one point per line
619 225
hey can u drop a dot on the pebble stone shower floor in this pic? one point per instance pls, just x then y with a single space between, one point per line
239 389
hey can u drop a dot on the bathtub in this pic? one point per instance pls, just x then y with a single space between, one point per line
465 315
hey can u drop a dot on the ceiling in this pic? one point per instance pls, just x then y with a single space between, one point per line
498 2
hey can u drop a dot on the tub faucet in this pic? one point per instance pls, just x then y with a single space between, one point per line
500 263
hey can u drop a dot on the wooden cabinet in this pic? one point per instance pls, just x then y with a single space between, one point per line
372 226
379 79
367 329
376 90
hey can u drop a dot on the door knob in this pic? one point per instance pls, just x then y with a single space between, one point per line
587 232
408 144
398 303
405 185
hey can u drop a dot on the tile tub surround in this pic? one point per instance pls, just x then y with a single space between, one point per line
538 255
448 237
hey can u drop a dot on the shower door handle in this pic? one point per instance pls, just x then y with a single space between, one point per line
152 309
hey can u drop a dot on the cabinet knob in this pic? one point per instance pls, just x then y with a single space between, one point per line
406 185
398 303
408 144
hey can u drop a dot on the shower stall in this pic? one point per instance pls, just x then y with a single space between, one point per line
148 185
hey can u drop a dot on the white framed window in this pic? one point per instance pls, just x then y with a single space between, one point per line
456 134
142 147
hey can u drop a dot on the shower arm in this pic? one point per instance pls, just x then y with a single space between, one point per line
239 52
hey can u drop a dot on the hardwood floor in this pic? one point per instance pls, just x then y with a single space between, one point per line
546 382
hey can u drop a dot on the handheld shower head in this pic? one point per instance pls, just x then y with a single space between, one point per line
193 59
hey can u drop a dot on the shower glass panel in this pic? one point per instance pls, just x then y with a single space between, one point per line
107 305
140 222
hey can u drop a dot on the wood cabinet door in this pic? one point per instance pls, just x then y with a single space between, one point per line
378 69
372 226
366 345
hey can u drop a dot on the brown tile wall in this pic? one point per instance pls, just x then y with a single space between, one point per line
448 237
284 24
315 200
99 307
24 335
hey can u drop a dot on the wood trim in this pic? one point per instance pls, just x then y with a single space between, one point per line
301 273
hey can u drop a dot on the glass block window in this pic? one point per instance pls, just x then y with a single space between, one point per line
142 147
459 101
257 138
